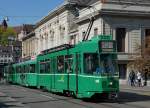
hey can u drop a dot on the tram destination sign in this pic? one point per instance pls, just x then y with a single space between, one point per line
107 46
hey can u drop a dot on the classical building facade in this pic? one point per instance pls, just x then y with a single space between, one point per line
29 47
53 30
25 36
127 21
24 30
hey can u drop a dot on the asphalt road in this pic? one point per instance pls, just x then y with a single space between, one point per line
22 97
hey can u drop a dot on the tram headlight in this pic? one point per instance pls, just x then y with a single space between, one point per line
110 83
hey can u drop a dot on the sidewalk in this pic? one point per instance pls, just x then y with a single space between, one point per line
141 89
8 102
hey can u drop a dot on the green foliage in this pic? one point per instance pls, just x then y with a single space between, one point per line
4 34
141 59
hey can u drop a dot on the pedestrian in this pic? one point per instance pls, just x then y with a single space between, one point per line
145 77
132 78
139 78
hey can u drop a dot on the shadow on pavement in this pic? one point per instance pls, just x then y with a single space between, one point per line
124 97
3 105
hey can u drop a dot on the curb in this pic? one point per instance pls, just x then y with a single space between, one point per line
142 89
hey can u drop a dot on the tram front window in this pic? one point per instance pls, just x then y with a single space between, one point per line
90 63
100 65
108 64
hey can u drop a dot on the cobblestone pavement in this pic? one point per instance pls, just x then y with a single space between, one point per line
13 96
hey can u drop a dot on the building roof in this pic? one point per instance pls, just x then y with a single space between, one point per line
28 28
82 2
25 27
17 29
136 2
51 14
128 8
31 34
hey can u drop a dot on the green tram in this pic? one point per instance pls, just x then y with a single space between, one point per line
9 73
26 73
23 73
84 70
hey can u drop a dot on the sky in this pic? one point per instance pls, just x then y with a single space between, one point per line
26 11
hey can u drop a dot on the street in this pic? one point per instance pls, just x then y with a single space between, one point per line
13 96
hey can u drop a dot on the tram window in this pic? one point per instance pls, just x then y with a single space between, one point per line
16 69
108 63
68 63
90 63
26 69
42 67
23 69
10 69
60 64
32 68
47 67
19 69
7 69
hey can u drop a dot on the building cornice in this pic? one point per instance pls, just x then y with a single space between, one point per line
51 15
31 34
125 13
117 13
129 2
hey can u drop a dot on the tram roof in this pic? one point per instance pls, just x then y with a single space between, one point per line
27 62
94 39
57 48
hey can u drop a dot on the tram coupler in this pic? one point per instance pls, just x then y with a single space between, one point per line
113 96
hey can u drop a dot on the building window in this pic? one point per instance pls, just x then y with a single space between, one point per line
5 60
147 38
62 32
122 71
95 31
52 33
120 38
60 64
83 34
72 40
147 32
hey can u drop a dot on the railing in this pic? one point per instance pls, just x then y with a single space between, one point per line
127 56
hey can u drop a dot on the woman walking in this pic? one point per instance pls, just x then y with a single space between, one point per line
139 78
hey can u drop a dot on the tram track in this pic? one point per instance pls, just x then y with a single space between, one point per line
57 98
48 97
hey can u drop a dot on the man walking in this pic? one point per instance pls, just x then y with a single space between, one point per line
132 78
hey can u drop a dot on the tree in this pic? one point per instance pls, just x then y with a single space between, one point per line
141 59
4 34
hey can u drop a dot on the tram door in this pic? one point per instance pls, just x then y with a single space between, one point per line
77 71
68 68
53 71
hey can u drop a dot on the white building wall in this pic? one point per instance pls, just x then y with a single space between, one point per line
107 24
126 7
86 11
83 28
21 35
53 32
